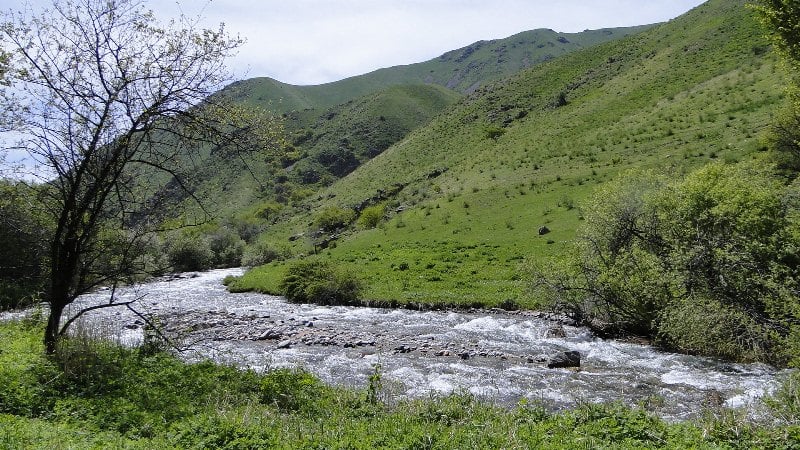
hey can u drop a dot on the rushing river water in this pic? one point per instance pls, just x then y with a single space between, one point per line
495 356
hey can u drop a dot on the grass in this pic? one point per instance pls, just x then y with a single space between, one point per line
114 397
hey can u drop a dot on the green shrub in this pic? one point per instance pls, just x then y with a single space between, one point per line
493 132
227 247
190 252
371 216
334 218
702 325
315 281
268 210
261 253
706 264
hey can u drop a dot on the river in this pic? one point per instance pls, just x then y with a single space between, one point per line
495 356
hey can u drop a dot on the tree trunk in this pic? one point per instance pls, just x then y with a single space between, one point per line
51 331
62 268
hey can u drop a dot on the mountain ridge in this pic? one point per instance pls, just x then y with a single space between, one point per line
515 52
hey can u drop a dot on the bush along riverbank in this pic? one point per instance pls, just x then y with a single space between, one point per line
703 264
96 394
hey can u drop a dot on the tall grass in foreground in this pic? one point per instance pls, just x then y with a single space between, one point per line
115 397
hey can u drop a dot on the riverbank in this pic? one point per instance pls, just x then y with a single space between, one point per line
115 397
447 275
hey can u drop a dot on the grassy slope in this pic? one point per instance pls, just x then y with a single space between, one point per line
343 117
356 125
369 125
699 88
109 397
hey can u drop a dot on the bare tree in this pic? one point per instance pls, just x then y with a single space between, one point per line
105 97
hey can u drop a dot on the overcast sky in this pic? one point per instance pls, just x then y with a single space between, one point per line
318 41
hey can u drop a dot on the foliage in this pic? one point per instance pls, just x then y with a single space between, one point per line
706 264
785 137
315 281
268 210
226 246
120 398
334 218
189 252
261 253
371 216
290 390
782 19
493 132
23 252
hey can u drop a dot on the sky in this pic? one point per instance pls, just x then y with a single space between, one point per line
318 41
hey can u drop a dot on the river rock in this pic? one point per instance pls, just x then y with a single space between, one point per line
285 344
556 332
564 360
269 334
537 359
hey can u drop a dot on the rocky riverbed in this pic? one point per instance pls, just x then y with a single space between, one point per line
498 356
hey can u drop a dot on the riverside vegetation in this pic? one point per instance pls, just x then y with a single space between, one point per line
661 163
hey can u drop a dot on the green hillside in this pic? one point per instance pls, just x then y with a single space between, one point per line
347 135
468 193
335 127
316 153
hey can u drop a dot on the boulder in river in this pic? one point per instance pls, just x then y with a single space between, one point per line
564 360
556 332
269 334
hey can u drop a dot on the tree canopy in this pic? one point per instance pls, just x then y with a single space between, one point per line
782 19
704 264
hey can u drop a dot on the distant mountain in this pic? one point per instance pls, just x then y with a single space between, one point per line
462 70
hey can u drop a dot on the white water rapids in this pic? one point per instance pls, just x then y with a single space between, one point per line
494 356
